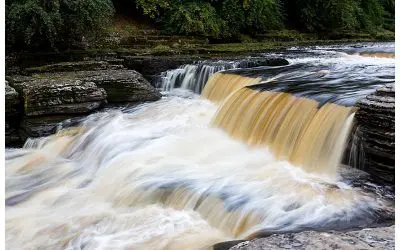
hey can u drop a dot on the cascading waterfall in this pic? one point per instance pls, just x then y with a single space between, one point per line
294 129
222 85
186 173
192 76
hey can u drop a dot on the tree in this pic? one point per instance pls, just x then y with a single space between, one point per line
53 23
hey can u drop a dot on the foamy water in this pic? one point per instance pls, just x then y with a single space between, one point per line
159 177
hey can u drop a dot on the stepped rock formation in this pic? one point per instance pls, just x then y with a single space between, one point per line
375 133
56 92
53 97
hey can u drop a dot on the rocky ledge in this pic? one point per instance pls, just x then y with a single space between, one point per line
369 238
374 138
150 66
37 103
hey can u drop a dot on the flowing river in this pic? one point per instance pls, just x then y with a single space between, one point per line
222 156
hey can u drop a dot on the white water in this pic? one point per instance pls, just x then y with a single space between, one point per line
192 76
160 178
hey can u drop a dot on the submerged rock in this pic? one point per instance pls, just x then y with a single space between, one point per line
42 125
376 133
369 238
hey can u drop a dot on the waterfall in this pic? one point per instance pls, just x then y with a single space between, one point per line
192 76
187 173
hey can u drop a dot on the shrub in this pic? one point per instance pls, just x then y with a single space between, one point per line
53 23
194 18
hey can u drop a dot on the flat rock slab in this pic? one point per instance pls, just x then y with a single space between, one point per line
371 238
73 66
120 85
50 97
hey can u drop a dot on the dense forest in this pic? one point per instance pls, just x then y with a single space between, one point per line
54 23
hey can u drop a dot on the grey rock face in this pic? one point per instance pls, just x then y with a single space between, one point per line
120 85
376 133
11 98
369 238
123 85
47 98
52 97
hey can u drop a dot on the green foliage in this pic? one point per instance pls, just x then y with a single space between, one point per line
60 23
333 15
53 23
263 15
153 8
194 18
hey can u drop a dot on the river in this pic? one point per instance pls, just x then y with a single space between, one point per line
168 175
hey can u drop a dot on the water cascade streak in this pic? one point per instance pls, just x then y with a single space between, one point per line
191 76
376 54
294 129
220 85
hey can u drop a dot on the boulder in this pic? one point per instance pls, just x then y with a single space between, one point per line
375 133
52 97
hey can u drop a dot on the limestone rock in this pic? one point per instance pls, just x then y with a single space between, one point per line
369 238
52 97
11 99
376 133
120 85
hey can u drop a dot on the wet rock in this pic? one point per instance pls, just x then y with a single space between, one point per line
369 238
74 66
12 114
42 125
11 98
152 65
376 133
257 62
52 97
